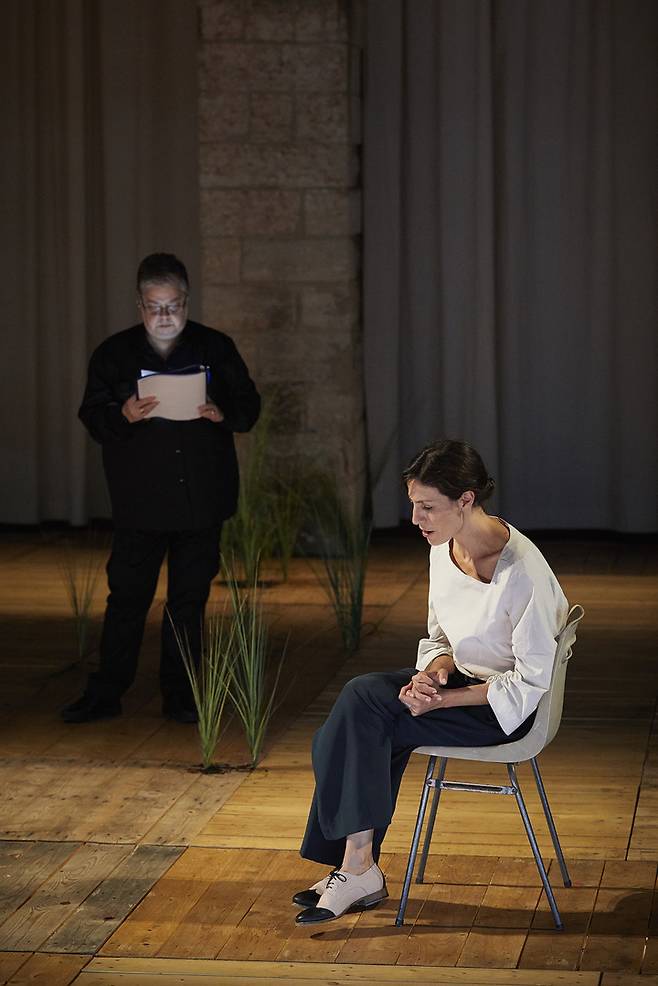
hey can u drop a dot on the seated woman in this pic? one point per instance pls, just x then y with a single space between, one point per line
495 609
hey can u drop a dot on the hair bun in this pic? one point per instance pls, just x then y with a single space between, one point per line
486 490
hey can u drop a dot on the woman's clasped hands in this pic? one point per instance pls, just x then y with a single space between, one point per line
425 692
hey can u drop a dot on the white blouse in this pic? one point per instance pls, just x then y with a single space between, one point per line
503 631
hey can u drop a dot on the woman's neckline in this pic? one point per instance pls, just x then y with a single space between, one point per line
480 580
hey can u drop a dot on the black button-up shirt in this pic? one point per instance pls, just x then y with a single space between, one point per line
169 475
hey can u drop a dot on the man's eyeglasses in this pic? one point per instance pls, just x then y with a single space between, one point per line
173 308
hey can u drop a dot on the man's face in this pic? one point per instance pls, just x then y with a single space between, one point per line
164 309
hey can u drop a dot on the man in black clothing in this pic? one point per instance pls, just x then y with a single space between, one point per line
171 483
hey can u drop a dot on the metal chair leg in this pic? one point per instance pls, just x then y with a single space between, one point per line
420 875
551 824
533 845
399 920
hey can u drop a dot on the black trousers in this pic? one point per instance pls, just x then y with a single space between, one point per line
132 573
361 751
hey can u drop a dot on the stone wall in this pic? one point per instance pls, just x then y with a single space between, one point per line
281 211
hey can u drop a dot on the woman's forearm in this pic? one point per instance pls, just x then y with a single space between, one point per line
472 695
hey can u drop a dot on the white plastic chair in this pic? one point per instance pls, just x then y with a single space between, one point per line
544 728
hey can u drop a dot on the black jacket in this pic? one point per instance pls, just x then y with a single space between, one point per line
169 475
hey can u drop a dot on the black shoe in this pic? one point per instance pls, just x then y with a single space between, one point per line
310 897
91 707
346 892
306 898
179 711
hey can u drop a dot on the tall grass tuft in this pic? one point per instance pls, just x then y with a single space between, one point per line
210 680
343 535
253 688
249 535
288 515
80 569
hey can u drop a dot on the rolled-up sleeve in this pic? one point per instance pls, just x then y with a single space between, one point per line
436 642
539 613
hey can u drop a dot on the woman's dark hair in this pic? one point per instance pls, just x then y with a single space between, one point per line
161 268
451 467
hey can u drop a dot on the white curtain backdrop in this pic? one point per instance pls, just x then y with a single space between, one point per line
510 251
98 168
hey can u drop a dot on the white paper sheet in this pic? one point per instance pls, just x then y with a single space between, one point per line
180 394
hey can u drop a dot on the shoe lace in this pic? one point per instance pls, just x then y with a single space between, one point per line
336 875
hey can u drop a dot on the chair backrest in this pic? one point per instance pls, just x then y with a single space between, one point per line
549 710
547 719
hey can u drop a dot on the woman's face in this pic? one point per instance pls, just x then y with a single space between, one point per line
438 517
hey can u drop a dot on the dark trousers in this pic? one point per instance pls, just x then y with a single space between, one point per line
132 573
361 751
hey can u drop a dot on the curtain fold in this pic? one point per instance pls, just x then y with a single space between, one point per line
510 249
100 98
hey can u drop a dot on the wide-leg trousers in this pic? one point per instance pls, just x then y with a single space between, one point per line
361 751
132 573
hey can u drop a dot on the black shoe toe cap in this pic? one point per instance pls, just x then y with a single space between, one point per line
314 915
306 898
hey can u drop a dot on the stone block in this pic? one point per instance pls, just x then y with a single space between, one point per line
221 260
323 20
323 116
299 353
256 212
271 212
270 20
222 20
221 211
249 309
299 260
330 413
245 67
289 400
277 166
320 67
265 67
271 116
310 451
330 309
224 117
332 212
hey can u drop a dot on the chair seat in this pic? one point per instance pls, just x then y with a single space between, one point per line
516 752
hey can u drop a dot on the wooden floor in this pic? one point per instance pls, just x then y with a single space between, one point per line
121 864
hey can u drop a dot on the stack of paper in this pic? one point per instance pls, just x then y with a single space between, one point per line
179 394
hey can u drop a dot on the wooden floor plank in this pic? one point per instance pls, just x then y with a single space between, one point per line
613 953
299 972
86 930
164 909
32 923
492 947
49 970
266 926
552 950
211 920
11 962
181 823
24 866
